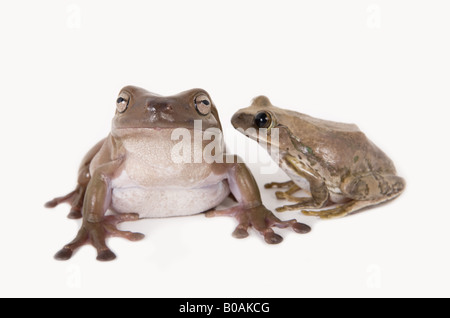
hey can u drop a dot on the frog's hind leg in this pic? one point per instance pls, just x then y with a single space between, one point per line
364 191
347 208
74 198
337 212
373 186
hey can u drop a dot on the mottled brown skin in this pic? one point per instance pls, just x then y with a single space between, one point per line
335 161
141 114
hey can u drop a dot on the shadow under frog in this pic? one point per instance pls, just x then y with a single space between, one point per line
335 162
132 174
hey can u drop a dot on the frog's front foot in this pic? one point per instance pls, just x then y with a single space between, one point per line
279 185
95 233
262 220
285 195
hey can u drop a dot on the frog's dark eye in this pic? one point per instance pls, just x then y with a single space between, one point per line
263 120
203 104
122 102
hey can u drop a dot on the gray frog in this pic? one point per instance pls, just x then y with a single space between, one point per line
341 168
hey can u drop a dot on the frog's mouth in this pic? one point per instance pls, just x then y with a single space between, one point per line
156 121
196 132
249 133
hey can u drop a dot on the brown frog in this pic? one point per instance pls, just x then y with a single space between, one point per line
136 173
333 161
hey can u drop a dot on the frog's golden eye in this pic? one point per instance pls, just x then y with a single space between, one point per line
263 120
122 102
203 104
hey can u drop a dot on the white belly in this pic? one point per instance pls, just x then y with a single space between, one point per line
167 202
334 192
152 184
298 180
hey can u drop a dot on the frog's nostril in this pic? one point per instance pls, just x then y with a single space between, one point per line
161 107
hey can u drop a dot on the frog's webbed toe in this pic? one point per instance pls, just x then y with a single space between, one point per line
262 220
96 234
288 194
279 185
59 200
75 213
241 231
333 213
364 191
272 221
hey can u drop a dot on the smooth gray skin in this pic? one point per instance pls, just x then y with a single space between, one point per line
125 162
336 162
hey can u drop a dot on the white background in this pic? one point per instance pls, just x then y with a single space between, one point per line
381 64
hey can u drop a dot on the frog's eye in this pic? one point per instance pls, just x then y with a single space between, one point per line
263 120
122 102
203 104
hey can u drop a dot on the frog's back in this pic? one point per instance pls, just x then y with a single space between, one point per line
339 145
321 124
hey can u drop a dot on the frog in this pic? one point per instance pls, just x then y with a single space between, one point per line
133 174
339 169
